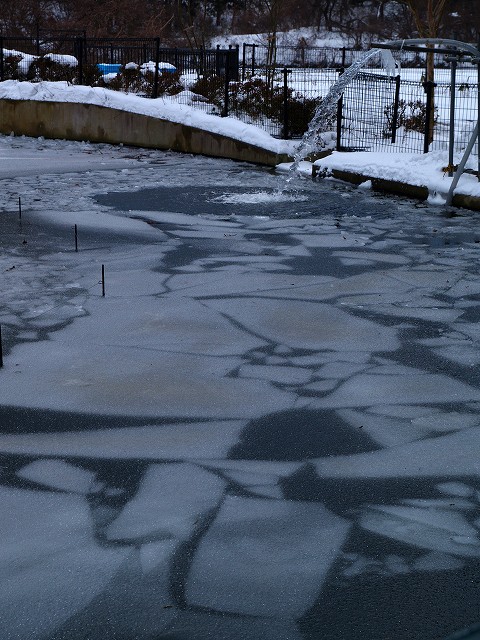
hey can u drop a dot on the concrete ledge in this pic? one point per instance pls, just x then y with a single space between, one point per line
76 121
392 186
466 202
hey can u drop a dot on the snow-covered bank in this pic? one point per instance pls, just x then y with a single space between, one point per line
419 170
162 108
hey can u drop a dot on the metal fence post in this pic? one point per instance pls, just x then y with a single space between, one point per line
395 108
157 61
429 87
339 118
80 60
227 80
218 65
285 104
478 111
37 26
451 136
2 65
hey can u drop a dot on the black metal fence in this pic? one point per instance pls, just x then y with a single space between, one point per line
95 51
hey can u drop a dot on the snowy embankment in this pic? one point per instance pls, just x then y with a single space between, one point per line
162 108
419 170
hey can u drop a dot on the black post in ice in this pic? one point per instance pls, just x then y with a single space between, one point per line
20 209
103 280
76 238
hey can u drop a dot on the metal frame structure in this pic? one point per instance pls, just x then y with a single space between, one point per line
455 49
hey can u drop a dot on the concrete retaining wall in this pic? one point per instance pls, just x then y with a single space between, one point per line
74 121
398 188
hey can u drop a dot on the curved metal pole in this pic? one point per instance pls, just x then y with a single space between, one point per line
461 166
458 44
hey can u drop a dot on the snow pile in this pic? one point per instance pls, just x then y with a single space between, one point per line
68 61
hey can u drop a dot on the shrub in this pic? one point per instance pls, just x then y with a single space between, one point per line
47 69
133 80
11 67
411 116
211 87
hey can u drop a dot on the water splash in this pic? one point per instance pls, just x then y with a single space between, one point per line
260 197
326 109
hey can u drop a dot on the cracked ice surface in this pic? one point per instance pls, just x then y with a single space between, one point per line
262 558
273 410
170 501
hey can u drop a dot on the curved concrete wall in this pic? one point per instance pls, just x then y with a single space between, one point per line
74 121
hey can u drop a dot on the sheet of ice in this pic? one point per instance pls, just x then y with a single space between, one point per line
449 455
440 503
462 354
446 421
59 475
283 375
102 362
51 567
194 440
436 561
241 281
369 390
266 491
308 325
155 555
456 489
444 519
441 531
339 370
375 256
265 557
388 432
199 625
136 604
371 282
171 500
266 468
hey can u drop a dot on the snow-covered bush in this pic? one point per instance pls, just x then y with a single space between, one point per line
411 116
134 79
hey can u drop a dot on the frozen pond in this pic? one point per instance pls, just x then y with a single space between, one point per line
268 427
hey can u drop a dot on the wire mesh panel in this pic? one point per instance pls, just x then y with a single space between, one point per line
365 103
370 115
